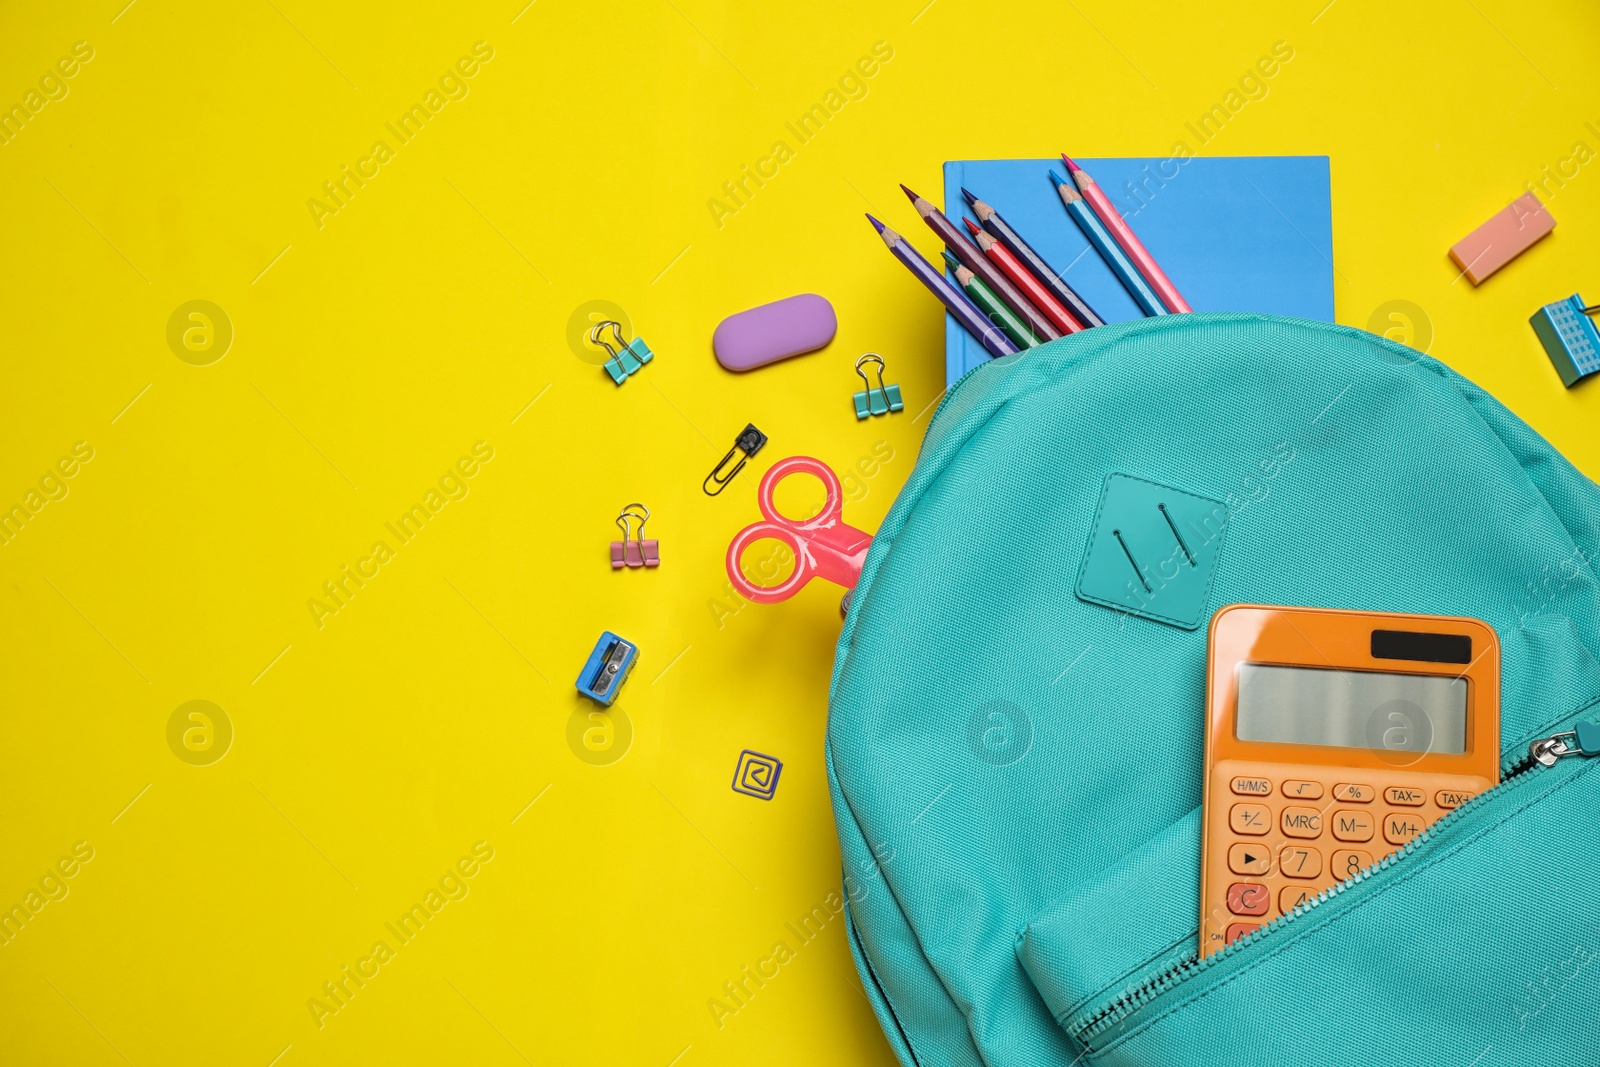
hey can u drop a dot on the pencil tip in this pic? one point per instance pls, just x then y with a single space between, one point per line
967 193
972 227
876 225
1057 179
1071 166
913 197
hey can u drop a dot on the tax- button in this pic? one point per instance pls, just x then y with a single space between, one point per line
1406 796
1295 789
1449 799
1248 898
1244 858
1353 794
1352 824
1247 786
1398 829
1302 822
1251 819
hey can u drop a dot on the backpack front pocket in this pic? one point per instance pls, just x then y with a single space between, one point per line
1482 934
1132 923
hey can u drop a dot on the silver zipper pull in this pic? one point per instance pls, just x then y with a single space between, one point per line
1582 741
1550 749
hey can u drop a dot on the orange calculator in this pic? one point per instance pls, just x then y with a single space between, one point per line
1332 739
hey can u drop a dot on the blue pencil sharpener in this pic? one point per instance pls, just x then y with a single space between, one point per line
606 668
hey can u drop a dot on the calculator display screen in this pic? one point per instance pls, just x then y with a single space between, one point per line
1352 709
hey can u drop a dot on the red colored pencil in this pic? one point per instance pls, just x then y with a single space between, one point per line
1023 279
1125 237
974 261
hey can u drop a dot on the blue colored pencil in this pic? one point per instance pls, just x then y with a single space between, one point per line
1107 246
952 298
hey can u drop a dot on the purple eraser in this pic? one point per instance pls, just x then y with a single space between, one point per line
774 331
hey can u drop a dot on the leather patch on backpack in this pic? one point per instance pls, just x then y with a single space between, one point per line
1153 551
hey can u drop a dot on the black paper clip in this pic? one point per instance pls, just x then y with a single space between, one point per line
748 442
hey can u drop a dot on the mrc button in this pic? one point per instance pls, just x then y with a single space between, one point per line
1302 822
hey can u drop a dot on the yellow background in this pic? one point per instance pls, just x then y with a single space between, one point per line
427 314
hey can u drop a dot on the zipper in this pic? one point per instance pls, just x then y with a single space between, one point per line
877 984
1583 740
950 391
950 394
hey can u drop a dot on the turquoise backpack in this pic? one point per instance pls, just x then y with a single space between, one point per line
1015 747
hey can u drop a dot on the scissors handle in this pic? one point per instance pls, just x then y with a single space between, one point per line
823 546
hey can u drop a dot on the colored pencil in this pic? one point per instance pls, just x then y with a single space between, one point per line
1142 259
990 304
973 260
1048 276
1023 279
1107 246
952 298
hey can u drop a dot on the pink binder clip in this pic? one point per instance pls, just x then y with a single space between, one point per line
633 550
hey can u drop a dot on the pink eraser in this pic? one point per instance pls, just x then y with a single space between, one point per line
1506 235
774 331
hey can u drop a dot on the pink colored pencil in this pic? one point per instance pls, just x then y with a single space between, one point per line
1125 236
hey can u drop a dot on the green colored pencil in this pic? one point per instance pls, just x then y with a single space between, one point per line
991 305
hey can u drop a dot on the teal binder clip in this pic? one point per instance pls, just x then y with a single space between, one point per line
626 356
876 401
1569 337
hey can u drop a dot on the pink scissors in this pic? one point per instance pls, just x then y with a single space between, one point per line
824 547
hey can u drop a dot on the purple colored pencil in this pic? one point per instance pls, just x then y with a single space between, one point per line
973 320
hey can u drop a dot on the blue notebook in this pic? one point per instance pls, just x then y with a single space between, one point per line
1244 233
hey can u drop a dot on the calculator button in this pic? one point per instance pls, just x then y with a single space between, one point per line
1248 898
1248 786
1449 799
1298 861
1302 822
1398 829
1291 897
1251 819
1347 863
1406 796
1352 824
1354 794
1249 859
1238 930
1297 789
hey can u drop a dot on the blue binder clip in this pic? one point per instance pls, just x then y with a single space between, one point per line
876 401
626 356
1569 337
606 668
